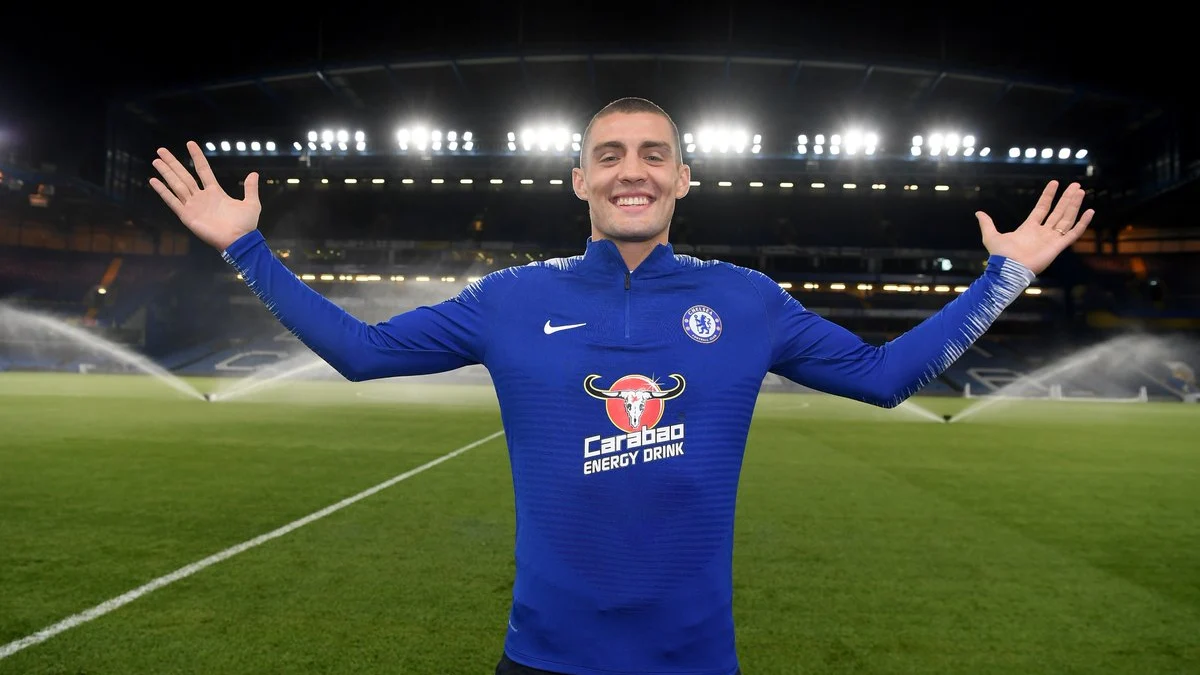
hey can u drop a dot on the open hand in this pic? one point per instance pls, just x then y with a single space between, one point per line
214 216
1044 234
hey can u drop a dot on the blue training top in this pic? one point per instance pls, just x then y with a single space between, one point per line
626 399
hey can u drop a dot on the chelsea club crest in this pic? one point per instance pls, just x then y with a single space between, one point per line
702 324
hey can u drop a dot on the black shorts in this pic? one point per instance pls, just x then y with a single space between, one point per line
509 667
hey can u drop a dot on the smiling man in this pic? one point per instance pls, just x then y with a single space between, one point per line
627 378
630 173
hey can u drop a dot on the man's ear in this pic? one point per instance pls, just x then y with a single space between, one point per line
685 181
579 183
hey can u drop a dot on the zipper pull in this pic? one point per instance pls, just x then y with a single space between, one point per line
627 281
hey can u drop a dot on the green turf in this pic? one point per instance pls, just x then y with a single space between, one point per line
1034 537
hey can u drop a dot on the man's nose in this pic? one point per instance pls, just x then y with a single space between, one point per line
632 170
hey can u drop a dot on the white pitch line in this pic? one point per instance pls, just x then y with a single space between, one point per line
124 599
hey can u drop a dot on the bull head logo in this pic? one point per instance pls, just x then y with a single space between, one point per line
634 394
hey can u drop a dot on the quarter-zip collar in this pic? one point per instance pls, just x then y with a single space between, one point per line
602 257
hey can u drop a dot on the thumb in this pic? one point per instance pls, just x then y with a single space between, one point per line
986 226
251 187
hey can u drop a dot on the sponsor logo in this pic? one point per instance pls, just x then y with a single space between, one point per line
634 401
635 405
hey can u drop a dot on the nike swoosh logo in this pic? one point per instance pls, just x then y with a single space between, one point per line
550 330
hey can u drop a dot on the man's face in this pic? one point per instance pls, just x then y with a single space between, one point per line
631 177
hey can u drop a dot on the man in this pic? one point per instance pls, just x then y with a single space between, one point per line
649 364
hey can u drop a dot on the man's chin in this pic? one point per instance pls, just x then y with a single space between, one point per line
633 233
632 237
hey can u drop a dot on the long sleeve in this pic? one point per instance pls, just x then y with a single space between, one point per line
424 340
815 352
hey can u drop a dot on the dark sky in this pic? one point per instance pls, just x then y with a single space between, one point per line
58 69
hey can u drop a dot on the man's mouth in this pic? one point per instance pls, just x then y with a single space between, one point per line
633 203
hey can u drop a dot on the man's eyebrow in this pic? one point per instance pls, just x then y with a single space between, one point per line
618 145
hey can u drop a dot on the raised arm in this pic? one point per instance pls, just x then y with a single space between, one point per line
424 340
815 352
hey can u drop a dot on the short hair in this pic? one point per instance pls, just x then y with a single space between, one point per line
629 105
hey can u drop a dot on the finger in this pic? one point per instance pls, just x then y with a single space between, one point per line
169 197
1042 208
1063 216
172 179
185 176
986 227
251 186
207 178
1076 232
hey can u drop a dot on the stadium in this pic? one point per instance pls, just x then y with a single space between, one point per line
187 487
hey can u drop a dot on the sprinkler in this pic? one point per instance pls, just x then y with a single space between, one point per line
209 397
946 418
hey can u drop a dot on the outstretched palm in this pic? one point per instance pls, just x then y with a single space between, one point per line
1044 234
214 216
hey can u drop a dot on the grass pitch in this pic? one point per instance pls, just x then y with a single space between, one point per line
1034 537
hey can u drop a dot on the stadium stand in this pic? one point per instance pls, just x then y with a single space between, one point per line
879 246
195 318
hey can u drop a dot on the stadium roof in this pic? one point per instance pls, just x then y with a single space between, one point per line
1027 75
777 93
